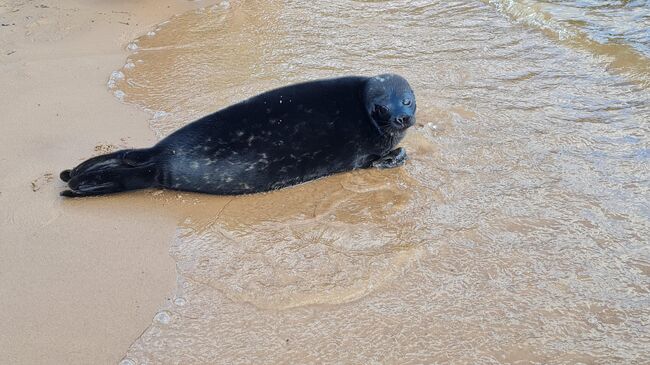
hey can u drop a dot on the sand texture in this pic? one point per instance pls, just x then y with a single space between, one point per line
516 233
79 280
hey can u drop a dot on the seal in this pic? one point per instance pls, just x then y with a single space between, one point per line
279 138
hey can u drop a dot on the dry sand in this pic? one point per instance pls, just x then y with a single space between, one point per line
80 279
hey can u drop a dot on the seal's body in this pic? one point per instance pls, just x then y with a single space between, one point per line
276 139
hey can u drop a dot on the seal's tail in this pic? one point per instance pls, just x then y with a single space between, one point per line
111 173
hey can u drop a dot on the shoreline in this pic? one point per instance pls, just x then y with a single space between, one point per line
514 233
81 278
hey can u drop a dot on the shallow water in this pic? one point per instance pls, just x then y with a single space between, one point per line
517 233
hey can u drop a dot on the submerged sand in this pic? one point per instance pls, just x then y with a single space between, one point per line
516 233
80 280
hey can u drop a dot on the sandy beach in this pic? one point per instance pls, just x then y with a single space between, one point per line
517 231
80 280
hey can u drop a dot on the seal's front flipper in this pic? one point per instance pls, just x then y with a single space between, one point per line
111 181
394 158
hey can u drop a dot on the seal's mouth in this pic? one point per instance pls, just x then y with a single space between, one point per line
394 121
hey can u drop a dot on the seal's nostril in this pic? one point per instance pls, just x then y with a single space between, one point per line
403 120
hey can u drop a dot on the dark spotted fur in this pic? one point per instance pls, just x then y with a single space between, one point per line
276 139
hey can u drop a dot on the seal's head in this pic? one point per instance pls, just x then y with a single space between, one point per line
390 102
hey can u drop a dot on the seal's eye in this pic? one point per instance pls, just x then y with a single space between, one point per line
406 102
381 112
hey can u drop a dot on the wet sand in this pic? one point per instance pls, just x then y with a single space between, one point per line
80 280
516 233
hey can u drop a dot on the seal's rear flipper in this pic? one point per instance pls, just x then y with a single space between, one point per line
111 181
119 159
65 175
118 171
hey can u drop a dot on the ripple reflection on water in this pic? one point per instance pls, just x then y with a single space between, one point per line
517 231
